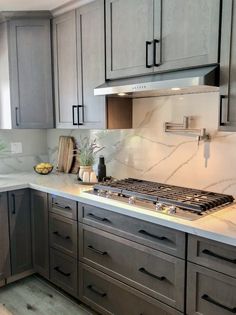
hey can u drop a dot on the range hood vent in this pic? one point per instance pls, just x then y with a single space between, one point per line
199 80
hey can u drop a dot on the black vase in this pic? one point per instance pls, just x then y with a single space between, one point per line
101 169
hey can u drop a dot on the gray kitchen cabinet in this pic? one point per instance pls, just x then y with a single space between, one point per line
5 269
129 36
20 230
227 111
40 233
26 67
79 67
65 69
188 33
91 56
153 36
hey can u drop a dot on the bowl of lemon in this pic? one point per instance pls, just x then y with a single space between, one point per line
43 168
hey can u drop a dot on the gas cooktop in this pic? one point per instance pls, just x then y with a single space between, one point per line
172 200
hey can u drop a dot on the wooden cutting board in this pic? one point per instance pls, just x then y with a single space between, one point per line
65 154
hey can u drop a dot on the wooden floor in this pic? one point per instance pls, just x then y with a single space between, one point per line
33 296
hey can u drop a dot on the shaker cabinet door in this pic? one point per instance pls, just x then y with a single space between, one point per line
91 53
189 33
40 234
65 70
30 73
5 269
227 111
129 37
20 230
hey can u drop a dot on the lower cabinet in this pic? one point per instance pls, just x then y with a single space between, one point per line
5 269
109 296
39 210
20 230
210 292
63 272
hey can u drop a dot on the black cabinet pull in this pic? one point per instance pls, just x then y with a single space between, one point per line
148 43
73 115
210 253
97 251
156 41
13 204
61 236
62 272
16 112
62 206
96 291
143 270
98 218
160 238
224 121
78 115
212 301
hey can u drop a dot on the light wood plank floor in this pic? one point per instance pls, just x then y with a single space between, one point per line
33 296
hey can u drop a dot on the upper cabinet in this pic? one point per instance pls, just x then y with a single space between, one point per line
227 119
145 36
26 80
79 67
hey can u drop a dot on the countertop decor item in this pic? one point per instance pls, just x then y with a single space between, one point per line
43 168
101 168
65 154
86 152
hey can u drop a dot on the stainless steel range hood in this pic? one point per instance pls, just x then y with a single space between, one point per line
200 80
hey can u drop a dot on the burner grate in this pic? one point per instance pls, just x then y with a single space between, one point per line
185 198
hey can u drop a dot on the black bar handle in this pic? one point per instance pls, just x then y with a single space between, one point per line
143 270
148 43
62 272
78 115
222 121
61 236
160 238
16 112
13 203
212 301
210 253
96 291
73 115
98 218
97 251
62 206
156 41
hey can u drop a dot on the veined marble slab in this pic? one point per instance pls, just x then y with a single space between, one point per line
219 226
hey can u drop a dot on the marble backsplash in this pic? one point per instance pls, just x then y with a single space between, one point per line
34 145
148 152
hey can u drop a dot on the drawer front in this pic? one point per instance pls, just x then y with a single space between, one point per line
155 273
211 254
63 272
109 296
210 292
63 206
63 234
152 235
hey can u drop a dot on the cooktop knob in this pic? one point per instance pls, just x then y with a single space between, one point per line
108 194
171 210
132 200
159 206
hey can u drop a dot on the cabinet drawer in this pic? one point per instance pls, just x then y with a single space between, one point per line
211 254
63 271
63 206
155 273
109 296
63 234
149 234
210 292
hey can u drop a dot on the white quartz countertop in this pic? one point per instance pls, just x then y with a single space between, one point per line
219 226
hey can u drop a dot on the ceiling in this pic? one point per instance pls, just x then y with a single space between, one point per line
22 5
